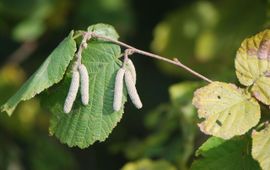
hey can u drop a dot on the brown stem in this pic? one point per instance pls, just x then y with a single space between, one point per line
145 53
83 45
22 53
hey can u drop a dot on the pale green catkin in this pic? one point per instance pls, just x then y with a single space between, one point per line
132 91
118 89
72 93
84 80
131 68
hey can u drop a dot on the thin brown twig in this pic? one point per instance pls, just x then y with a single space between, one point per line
22 53
83 45
145 53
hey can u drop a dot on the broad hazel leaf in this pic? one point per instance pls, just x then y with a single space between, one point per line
85 125
217 153
252 65
49 73
225 110
261 147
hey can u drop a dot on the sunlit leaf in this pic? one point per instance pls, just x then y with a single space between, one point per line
261 147
225 110
148 164
49 73
252 65
233 154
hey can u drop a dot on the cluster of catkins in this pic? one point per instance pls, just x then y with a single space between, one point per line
80 79
79 76
129 73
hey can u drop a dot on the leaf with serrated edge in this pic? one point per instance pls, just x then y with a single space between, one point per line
85 125
233 154
226 110
261 147
253 67
49 73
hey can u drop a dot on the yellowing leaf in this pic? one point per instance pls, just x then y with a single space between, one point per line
226 110
252 65
261 147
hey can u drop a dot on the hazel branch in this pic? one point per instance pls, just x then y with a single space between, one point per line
145 53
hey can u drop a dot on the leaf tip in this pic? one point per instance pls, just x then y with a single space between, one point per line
6 109
71 33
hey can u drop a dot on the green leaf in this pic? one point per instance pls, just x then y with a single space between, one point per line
226 110
253 67
261 147
85 125
217 153
104 29
148 164
49 73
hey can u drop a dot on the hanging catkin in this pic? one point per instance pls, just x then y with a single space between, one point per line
131 68
84 84
72 93
118 89
132 91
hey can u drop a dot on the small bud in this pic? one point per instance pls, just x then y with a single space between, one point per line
84 45
72 93
118 89
132 91
84 84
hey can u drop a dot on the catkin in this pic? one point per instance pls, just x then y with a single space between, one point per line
84 84
118 89
132 69
72 93
131 88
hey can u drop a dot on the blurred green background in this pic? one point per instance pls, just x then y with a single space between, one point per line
163 135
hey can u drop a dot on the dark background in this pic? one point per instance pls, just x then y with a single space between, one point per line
31 29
